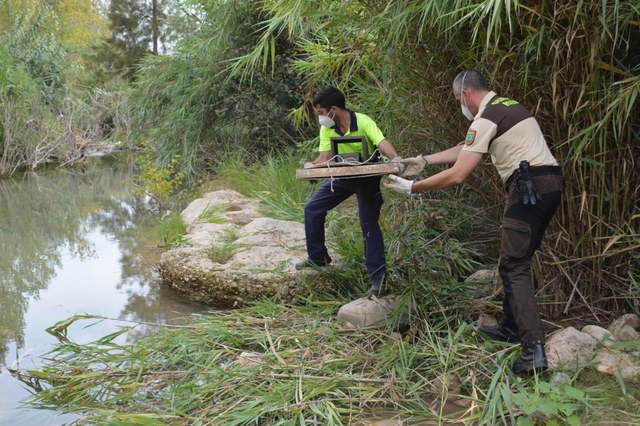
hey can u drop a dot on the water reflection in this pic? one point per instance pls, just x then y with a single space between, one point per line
75 242
41 218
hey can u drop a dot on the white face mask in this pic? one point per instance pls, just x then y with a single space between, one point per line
466 112
326 121
463 107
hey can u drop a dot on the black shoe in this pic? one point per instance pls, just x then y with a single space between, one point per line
377 290
500 332
313 263
532 359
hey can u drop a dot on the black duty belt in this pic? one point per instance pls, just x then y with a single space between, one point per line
537 171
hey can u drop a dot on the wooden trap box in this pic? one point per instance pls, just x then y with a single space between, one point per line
345 170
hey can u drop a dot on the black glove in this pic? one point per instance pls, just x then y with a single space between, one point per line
526 188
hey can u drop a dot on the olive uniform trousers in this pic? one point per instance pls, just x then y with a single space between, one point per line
522 230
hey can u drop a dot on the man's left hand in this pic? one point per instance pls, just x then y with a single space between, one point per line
398 184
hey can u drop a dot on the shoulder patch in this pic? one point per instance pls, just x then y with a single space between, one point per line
470 138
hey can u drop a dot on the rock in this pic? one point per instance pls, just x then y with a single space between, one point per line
264 231
487 320
626 333
482 275
191 273
560 378
388 422
603 336
393 338
249 359
487 282
446 384
631 320
364 313
610 362
445 395
236 256
226 204
569 348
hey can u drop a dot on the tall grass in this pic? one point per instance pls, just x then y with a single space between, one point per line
170 230
268 178
271 364
298 369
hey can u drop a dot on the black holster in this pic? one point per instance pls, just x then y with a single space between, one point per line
525 186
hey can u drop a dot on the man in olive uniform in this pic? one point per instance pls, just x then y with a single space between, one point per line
533 186
338 121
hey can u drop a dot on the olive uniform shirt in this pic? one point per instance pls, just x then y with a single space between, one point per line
507 130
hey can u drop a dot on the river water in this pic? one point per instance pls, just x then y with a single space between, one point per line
74 241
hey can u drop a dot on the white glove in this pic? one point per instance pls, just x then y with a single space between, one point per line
396 159
308 165
415 165
398 184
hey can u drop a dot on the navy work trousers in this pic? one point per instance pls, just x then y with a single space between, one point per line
328 196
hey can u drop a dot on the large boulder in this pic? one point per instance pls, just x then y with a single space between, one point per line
602 335
234 255
570 348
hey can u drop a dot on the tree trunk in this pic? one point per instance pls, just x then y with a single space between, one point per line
154 25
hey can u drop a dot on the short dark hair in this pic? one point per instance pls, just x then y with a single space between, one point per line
472 80
329 96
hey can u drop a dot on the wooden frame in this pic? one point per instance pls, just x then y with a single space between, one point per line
343 171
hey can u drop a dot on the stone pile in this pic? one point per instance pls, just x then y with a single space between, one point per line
614 350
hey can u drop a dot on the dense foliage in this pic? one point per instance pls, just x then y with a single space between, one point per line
235 70
189 105
231 84
41 116
574 64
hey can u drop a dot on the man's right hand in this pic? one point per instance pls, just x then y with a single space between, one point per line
308 165
398 184
415 165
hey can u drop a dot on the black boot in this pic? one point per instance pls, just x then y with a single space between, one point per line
532 358
313 263
500 332
377 290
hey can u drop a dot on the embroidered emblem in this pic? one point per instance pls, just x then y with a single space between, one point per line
504 101
471 136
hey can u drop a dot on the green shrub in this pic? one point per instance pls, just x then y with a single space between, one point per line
165 184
